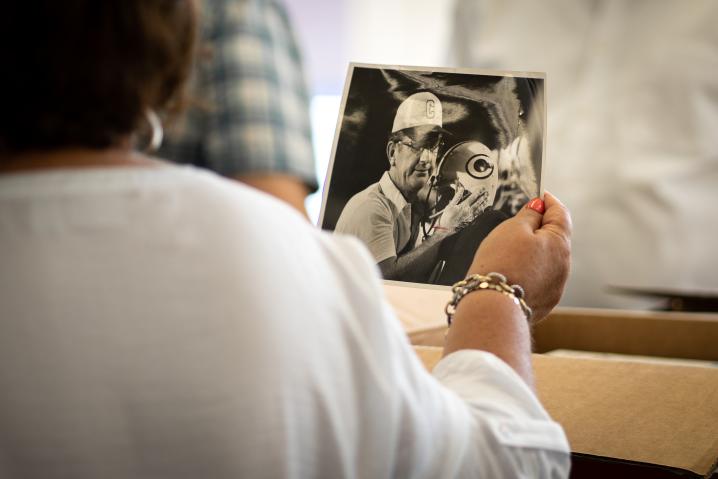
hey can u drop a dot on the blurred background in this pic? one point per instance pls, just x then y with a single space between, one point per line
632 100
333 33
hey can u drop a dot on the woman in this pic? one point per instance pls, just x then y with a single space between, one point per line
158 321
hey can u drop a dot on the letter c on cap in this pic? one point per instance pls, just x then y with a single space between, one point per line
430 108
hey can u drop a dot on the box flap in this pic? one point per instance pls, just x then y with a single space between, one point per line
418 308
650 333
655 414
649 413
647 333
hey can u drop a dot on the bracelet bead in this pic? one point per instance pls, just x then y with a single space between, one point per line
478 282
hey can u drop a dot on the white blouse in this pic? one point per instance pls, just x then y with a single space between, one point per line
164 322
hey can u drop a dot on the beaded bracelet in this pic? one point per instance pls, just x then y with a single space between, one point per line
478 282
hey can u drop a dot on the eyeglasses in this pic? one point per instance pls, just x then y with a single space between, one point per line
434 150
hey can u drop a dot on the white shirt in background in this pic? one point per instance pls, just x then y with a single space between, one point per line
632 143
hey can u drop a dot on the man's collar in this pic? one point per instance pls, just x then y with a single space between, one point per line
392 192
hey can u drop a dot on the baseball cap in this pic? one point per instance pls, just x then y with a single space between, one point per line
419 109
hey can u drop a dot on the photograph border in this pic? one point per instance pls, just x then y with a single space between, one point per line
472 71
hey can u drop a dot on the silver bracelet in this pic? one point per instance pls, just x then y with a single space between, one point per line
478 282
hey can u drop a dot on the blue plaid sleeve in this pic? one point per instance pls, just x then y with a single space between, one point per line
254 110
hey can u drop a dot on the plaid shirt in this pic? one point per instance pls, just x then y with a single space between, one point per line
253 113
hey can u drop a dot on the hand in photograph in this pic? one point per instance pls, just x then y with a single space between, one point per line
461 210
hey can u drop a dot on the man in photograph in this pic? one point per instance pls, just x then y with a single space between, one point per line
386 215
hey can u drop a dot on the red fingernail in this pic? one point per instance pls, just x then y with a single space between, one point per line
537 205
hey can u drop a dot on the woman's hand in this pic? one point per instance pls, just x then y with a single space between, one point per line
533 250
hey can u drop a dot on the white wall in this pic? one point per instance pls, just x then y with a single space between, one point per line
398 32
333 33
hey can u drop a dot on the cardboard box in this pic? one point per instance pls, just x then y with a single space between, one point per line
646 333
624 418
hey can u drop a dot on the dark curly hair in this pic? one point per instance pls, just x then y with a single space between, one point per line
83 72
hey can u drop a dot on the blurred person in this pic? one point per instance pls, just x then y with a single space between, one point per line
387 215
250 120
632 115
160 321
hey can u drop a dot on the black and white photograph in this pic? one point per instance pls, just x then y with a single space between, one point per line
427 162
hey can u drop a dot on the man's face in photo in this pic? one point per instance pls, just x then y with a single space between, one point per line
413 157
